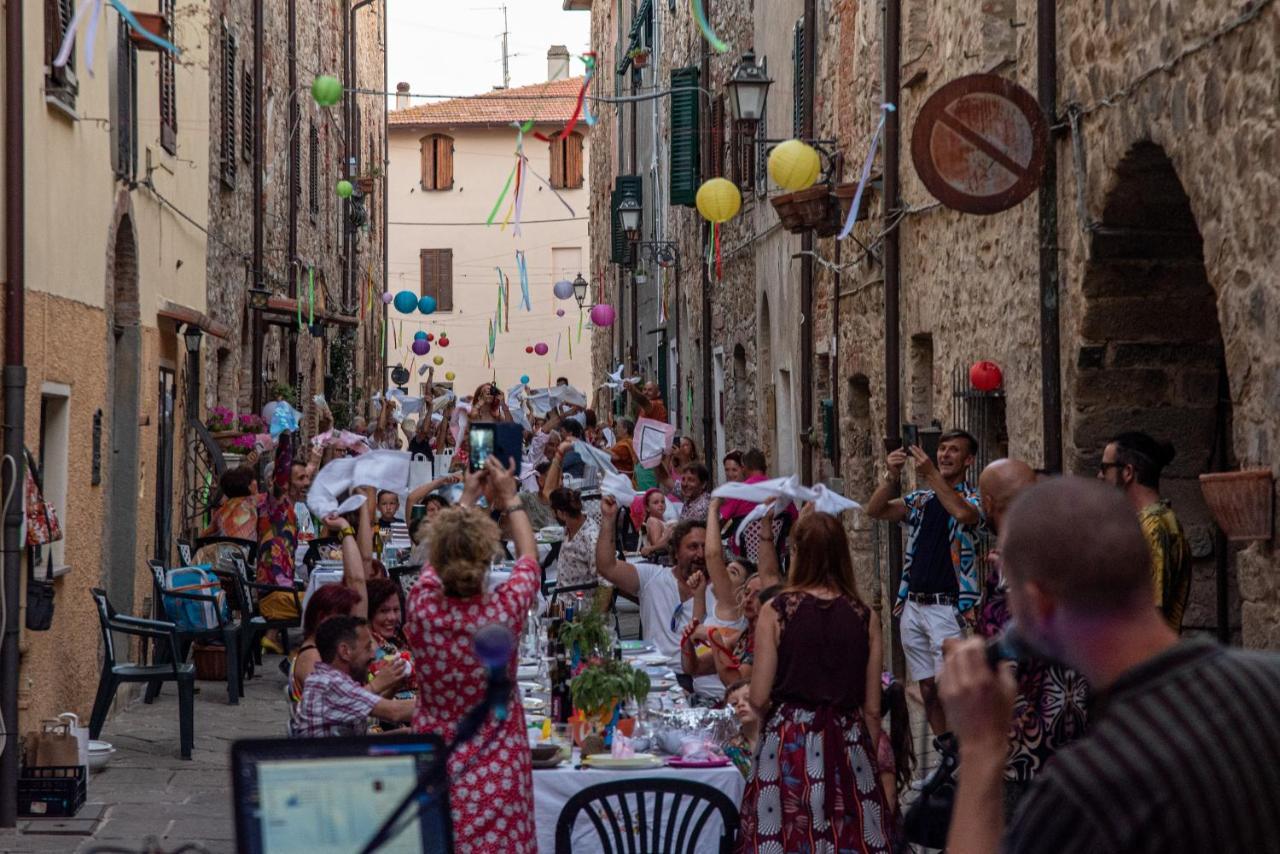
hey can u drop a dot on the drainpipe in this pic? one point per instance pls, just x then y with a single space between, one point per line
291 262
708 393
15 384
259 200
807 438
1050 347
380 365
892 342
351 49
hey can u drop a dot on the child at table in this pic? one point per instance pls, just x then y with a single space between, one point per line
742 747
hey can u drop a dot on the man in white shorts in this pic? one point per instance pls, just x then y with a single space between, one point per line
940 588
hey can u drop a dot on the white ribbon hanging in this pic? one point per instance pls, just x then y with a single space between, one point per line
885 109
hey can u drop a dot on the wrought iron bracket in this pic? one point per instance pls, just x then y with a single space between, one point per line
826 149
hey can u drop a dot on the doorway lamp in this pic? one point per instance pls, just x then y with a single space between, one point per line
580 288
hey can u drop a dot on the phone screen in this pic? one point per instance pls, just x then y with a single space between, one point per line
910 435
481 445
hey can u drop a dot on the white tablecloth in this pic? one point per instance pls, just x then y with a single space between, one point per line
553 787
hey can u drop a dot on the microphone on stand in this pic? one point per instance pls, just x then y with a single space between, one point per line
494 644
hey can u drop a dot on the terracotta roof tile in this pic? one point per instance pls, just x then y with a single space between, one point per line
547 103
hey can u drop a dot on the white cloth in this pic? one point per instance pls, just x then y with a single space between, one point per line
383 470
553 788
594 457
788 491
619 486
924 628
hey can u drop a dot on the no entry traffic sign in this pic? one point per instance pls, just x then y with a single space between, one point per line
979 144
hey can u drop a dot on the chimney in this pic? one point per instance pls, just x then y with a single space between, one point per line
402 96
557 63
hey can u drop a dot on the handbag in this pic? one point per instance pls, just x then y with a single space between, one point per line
928 818
42 519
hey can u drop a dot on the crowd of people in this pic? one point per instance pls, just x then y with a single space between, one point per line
1135 740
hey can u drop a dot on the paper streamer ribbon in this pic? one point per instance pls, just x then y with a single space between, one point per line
569 338
311 296
141 30
553 190
885 109
524 280
703 24
559 335
94 10
502 195
520 185
589 60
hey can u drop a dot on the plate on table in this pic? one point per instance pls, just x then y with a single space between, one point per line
607 760
533 704
653 658
661 684
677 762
632 647
527 671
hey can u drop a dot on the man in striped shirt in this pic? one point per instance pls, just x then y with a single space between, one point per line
1184 753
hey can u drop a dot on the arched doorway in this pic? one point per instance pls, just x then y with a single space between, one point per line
1151 357
125 336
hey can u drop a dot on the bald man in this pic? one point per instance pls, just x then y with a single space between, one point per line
1184 755
1049 710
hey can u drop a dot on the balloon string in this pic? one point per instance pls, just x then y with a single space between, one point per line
719 260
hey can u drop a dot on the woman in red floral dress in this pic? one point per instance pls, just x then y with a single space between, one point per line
490 778
816 684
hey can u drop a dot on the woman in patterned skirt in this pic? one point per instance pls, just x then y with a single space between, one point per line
490 776
816 684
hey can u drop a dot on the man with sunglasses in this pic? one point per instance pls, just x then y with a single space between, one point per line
665 594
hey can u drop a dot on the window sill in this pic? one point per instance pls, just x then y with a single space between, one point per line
58 572
58 105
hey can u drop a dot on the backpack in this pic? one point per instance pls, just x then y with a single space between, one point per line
190 615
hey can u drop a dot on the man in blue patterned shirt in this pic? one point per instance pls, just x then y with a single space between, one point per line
940 586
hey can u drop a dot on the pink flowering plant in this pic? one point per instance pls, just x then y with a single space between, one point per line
220 419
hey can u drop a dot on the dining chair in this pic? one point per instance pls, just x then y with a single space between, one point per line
625 821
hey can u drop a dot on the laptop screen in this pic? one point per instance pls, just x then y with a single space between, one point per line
330 795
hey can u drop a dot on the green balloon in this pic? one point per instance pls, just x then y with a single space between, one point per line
345 189
327 90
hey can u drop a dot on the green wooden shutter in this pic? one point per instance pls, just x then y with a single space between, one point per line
625 186
685 143
799 81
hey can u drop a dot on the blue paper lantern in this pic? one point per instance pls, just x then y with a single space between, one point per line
427 304
563 289
406 301
421 336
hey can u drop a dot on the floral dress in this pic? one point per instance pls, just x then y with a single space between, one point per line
815 784
490 777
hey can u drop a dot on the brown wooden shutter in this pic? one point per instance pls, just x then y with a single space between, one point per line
573 161
557 147
715 140
436 276
427 154
443 147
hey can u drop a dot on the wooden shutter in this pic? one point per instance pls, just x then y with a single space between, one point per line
436 276
744 154
168 89
685 144
799 83
125 121
714 162
247 106
556 147
573 161
444 162
427 162
313 165
227 146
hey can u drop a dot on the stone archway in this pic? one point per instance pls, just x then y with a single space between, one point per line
125 342
1150 357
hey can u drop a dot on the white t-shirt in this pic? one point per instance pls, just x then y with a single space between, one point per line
659 599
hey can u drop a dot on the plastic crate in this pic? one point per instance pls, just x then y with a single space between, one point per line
56 791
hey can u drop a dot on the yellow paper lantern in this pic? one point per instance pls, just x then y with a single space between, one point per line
449 376
718 200
439 360
794 165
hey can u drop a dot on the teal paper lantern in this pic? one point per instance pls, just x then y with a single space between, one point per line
345 189
327 90
524 379
406 301
427 304
421 336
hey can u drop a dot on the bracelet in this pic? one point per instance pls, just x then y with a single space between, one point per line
348 531
507 511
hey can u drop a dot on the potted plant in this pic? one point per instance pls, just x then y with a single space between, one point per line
223 426
600 690
587 637
639 56
1242 502
844 194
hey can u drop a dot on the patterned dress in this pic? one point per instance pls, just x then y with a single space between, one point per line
490 777
815 784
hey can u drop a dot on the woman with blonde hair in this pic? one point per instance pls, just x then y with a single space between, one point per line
446 607
816 682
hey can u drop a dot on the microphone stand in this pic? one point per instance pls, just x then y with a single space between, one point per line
496 697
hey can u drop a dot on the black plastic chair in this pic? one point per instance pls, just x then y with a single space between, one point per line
625 822
116 673
257 625
228 631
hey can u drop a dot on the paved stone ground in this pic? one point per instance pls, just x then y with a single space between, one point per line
147 790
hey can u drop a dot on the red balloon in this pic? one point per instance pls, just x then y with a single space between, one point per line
529 349
985 376
430 337
443 342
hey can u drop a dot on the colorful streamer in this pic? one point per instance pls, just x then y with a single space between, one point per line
569 338
524 280
502 195
311 296
703 24
885 109
580 316
520 163
553 190
559 335
141 30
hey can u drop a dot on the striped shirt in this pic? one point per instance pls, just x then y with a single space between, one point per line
333 703
1184 758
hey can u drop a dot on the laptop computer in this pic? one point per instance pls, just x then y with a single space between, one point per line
330 795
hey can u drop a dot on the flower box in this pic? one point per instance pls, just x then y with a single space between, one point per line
844 194
1242 503
640 58
813 208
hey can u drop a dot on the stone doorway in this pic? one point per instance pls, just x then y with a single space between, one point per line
126 360
1150 358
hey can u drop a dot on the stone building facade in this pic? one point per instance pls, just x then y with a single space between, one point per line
1166 143
323 258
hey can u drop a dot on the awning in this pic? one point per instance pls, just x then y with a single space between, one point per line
185 314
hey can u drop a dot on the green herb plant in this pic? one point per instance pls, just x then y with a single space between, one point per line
604 683
588 633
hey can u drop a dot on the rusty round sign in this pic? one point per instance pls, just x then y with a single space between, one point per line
979 144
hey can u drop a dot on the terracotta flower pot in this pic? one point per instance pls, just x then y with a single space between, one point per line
365 185
640 60
844 195
226 438
787 211
813 208
153 23
1242 502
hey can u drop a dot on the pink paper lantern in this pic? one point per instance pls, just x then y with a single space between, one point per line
387 298
602 314
540 348
559 312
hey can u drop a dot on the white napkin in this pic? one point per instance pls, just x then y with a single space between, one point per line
619 486
594 457
616 381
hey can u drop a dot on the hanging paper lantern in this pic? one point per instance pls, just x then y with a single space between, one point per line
718 200
327 90
524 379
449 376
559 312
387 298
529 349
563 289
345 188
406 301
421 336
540 348
439 360
985 376
431 336
427 304
794 165
602 314
443 342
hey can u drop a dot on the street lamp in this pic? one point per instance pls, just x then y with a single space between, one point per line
258 298
749 88
630 213
580 290
192 335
